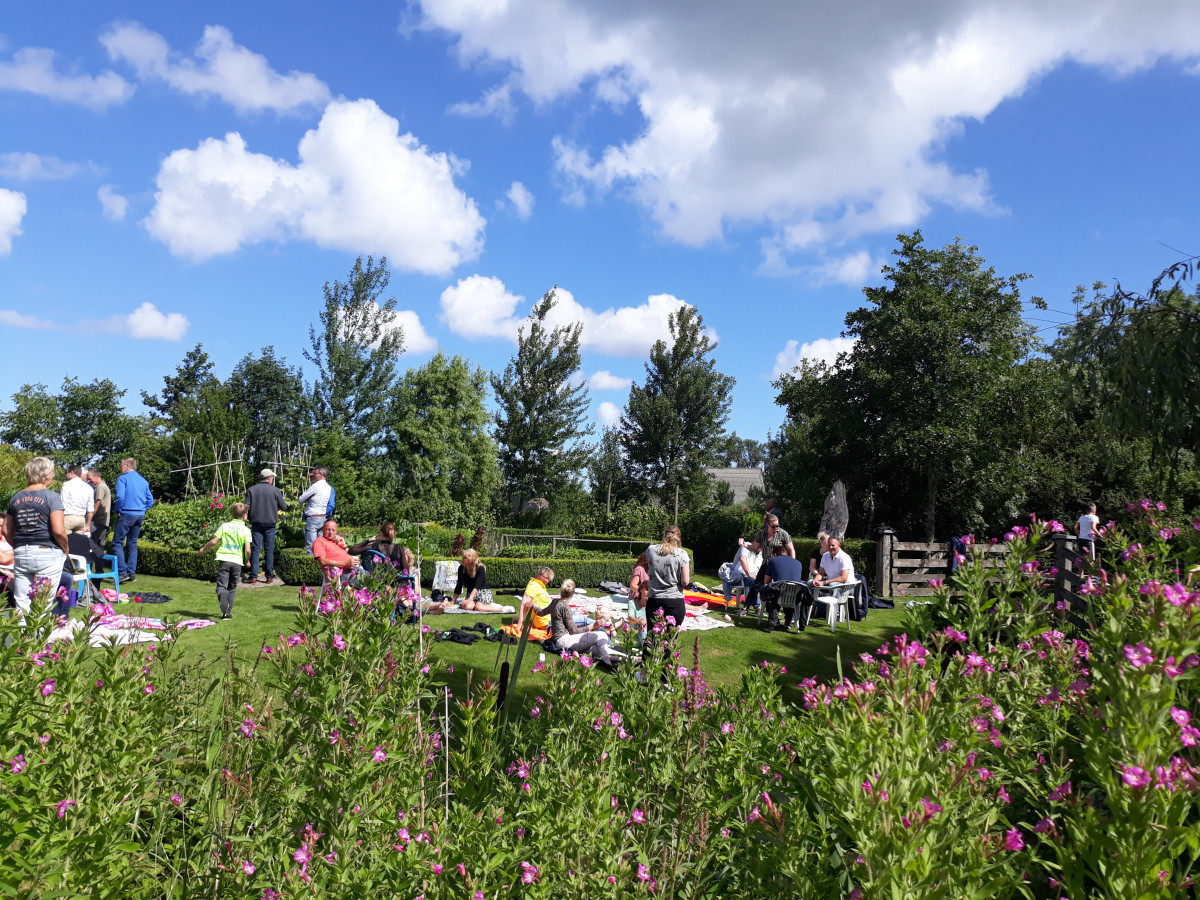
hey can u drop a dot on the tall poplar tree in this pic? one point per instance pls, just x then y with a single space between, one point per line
541 423
674 424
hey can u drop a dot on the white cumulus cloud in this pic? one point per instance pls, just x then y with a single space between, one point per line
220 68
819 124
416 339
115 206
12 211
482 307
608 414
360 186
607 381
148 323
521 199
821 350
31 70
32 167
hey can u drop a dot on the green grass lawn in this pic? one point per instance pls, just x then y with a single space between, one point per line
263 613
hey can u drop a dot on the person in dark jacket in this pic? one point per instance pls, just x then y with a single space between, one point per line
266 502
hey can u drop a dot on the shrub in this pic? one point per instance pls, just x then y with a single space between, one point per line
188 525
714 533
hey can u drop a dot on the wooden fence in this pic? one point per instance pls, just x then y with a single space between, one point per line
905 567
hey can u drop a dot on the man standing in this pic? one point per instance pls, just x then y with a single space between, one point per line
79 501
266 502
102 513
133 501
1086 528
770 538
316 505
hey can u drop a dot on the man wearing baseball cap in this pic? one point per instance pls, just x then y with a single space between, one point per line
266 502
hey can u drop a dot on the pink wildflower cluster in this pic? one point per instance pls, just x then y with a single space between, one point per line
1180 773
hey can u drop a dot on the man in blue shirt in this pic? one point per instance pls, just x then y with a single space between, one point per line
133 499
783 567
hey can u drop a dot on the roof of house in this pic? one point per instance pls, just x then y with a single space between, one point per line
741 480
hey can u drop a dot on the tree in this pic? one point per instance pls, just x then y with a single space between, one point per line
608 473
82 423
181 391
673 425
270 396
1133 357
742 453
438 442
355 353
543 403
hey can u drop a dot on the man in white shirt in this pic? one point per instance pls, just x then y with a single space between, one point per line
79 502
836 565
316 505
1086 528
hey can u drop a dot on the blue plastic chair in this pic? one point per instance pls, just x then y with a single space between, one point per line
100 576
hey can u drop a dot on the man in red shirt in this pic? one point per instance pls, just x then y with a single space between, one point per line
330 552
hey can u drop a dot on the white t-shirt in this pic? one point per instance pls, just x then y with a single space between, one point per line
746 559
78 497
1088 523
5 545
835 565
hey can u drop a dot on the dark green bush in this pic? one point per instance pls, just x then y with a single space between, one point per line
713 533
188 525
175 562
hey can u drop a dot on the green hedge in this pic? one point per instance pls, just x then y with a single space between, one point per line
714 533
171 562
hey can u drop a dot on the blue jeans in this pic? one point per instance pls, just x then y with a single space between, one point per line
125 538
262 537
312 528
30 564
727 586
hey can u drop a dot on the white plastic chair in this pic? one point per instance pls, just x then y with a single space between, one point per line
837 598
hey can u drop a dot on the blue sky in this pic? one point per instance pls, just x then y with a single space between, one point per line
173 174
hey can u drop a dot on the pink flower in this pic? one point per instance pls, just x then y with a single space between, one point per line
1181 716
1044 824
63 806
1138 656
47 690
176 800
269 894
585 661
955 635
931 808
1063 790
18 764
438 868
339 642
726 728
1002 795
378 755
529 873
1190 736
1135 776
535 712
462 870
1013 840
334 735
478 895
637 816
643 873
303 855
248 868
148 689
612 879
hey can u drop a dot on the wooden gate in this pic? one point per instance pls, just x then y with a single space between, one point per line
905 567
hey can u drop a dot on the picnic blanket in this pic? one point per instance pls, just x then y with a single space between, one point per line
458 610
112 629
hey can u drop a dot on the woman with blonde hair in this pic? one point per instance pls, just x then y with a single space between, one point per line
472 577
35 528
668 570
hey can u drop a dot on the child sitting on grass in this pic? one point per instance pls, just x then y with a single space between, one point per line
232 541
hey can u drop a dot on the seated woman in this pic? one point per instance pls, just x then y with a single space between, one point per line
472 578
743 571
639 593
384 544
570 636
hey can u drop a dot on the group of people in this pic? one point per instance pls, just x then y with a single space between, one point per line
42 527
830 565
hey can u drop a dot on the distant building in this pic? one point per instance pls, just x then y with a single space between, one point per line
741 480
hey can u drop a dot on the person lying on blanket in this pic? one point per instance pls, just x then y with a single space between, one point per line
536 599
329 550
570 636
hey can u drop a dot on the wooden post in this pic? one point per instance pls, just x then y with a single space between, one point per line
883 562
608 505
676 504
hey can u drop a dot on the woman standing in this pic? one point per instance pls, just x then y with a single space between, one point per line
34 524
668 570
472 577
639 596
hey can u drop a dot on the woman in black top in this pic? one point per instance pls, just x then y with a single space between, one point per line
384 544
472 578
36 531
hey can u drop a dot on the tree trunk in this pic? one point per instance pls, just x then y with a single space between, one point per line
930 502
